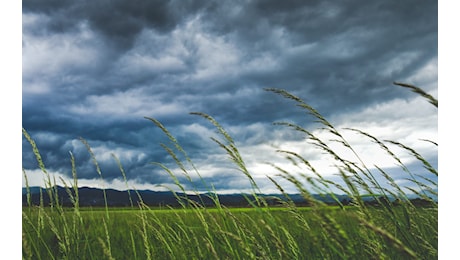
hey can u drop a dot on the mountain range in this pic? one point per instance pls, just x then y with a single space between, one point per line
94 197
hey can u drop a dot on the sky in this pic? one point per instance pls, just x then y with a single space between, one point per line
96 69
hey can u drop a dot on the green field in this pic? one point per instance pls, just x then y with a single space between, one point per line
237 233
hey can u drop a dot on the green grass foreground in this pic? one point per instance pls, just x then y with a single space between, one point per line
221 233
393 227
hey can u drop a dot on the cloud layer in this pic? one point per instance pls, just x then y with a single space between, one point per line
95 69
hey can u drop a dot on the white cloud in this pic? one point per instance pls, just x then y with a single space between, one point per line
397 63
104 154
426 77
191 48
405 121
216 56
154 53
49 55
130 104
136 64
48 138
36 178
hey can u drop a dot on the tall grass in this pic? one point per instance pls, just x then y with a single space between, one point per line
394 229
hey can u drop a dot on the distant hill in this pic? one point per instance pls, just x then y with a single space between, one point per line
95 197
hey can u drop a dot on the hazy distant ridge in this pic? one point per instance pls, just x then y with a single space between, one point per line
95 197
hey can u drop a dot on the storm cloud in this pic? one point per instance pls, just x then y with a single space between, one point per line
95 69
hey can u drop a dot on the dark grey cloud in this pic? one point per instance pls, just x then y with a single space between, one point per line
119 21
94 69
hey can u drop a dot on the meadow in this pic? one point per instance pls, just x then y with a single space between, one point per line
393 228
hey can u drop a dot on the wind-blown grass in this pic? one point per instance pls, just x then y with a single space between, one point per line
395 228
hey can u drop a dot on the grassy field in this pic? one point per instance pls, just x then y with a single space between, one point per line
248 233
394 228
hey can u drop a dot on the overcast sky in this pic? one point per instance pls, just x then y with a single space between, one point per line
95 69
